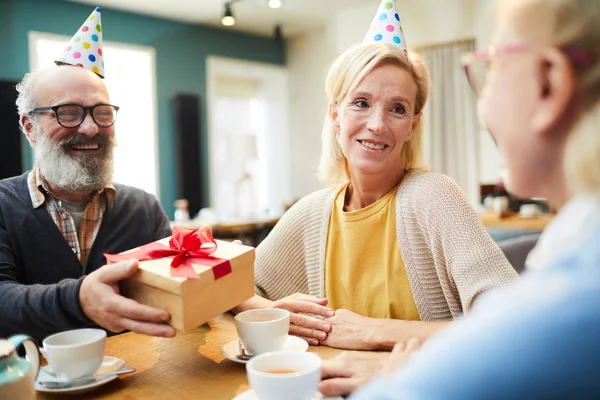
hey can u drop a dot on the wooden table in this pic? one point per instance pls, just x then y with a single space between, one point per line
250 232
230 227
516 222
189 366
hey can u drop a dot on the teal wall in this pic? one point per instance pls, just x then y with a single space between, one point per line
181 51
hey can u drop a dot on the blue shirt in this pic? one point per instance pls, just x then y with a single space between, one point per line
536 339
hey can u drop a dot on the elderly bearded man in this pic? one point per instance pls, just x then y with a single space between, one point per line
57 220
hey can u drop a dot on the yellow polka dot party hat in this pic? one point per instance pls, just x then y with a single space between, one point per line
85 47
386 26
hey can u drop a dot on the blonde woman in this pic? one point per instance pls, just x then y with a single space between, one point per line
388 251
538 338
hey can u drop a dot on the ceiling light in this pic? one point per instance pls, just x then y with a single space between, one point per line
274 3
228 19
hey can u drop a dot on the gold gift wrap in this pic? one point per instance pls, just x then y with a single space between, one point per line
192 302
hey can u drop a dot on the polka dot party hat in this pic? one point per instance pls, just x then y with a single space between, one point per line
85 48
386 26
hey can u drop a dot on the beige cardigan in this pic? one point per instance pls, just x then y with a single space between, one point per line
448 255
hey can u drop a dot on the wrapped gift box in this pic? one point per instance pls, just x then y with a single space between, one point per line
192 302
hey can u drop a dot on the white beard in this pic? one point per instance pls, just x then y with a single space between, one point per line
82 174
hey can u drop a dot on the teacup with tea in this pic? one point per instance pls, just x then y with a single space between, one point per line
289 375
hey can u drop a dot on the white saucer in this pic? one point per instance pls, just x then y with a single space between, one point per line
292 343
250 395
109 364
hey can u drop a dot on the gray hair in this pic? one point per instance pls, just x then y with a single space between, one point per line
26 100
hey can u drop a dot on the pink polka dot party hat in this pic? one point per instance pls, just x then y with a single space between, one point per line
386 26
85 47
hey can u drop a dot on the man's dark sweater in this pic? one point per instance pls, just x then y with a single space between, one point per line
40 275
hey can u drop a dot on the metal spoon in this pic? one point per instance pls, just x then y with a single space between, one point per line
242 355
84 380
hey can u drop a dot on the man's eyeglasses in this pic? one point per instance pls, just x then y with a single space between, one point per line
476 65
72 115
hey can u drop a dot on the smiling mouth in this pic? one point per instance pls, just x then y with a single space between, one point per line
82 144
85 147
372 146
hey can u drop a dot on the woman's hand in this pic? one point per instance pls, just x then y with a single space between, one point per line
400 355
348 371
350 331
309 328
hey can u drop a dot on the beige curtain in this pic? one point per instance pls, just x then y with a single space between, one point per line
450 124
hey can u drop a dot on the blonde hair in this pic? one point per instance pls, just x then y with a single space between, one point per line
346 73
574 25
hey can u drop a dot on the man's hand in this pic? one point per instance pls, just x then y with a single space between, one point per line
308 328
348 371
101 302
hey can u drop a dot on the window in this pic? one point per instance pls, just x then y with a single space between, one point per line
130 80
248 127
237 191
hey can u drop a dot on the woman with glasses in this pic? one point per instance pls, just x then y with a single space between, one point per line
538 338
388 251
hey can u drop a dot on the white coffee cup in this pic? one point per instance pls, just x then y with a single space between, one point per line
76 353
263 329
500 204
529 210
289 375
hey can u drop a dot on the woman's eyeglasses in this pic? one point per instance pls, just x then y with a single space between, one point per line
476 64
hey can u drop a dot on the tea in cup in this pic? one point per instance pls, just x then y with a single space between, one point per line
289 375
263 330
76 353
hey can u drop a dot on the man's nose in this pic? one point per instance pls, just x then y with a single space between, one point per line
88 127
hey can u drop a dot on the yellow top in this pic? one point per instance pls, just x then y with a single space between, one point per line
364 270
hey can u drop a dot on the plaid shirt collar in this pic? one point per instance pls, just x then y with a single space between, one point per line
38 189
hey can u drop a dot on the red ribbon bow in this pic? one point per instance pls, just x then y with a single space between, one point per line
187 247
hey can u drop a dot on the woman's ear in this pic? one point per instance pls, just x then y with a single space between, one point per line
556 89
334 115
415 124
